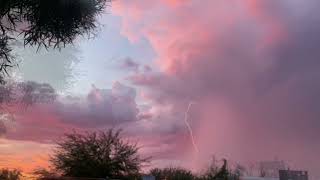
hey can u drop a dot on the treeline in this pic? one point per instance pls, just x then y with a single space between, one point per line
169 173
212 173
108 155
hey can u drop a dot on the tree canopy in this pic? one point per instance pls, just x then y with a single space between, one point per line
45 23
97 155
6 174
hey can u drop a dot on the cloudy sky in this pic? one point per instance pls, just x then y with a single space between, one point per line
247 70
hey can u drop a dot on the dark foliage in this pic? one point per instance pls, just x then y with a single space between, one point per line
173 173
42 173
222 173
212 173
6 59
6 174
45 23
59 22
97 155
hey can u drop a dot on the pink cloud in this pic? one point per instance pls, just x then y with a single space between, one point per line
244 62
45 122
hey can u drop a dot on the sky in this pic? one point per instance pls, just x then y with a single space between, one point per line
243 74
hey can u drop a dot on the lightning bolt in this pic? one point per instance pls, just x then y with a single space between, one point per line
186 115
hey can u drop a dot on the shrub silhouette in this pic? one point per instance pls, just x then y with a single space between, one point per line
212 173
172 173
6 174
97 155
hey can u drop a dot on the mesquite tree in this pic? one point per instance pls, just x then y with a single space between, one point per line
45 23
97 155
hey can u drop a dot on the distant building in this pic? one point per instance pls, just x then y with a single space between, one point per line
282 175
271 168
293 175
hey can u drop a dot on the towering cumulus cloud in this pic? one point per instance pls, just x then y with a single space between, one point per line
251 65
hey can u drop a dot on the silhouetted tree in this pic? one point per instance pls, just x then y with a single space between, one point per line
210 172
216 173
45 23
223 172
6 174
173 173
102 154
42 173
